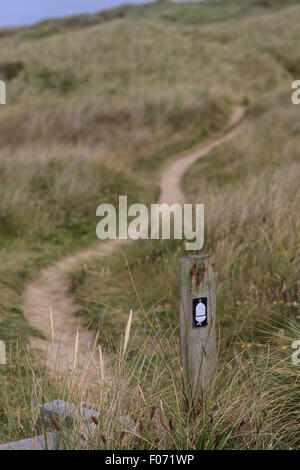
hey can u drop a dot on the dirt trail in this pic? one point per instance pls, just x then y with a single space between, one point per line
170 184
50 291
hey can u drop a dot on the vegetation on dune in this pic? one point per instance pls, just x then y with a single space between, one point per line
251 200
97 106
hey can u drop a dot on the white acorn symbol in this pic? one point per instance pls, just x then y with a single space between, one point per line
200 313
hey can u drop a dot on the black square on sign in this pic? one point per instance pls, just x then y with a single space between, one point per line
200 312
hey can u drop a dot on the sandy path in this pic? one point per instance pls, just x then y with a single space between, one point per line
50 291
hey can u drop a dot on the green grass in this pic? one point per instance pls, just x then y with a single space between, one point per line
250 196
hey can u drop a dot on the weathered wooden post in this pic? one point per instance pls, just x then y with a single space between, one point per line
197 307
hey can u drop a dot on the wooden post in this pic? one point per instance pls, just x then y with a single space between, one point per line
197 307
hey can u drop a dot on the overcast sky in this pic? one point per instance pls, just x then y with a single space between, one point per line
17 12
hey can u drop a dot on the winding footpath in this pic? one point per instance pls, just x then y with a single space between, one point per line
47 304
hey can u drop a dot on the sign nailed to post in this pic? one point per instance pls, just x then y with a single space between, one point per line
200 312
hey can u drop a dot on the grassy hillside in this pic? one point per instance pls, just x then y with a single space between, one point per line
97 107
191 13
